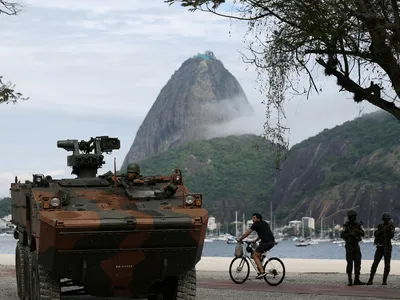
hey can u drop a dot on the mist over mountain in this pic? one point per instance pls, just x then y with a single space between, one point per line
203 123
200 98
355 165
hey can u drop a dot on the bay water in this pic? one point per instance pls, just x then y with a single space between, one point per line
285 249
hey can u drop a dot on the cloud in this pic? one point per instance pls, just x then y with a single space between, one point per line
107 6
95 63
94 67
163 23
241 118
30 141
97 6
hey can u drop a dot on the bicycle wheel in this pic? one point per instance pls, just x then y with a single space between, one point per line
271 267
242 267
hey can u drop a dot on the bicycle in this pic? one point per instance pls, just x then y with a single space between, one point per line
244 261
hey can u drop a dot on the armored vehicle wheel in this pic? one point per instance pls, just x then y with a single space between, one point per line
44 286
21 265
181 288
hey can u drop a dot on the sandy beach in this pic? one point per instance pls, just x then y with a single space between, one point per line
221 264
326 281
303 276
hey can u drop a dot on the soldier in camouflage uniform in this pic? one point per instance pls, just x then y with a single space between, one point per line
133 173
383 236
352 234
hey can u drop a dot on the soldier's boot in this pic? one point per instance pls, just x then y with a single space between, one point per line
371 279
357 280
384 280
350 280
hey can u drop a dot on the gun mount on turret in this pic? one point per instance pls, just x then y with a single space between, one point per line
86 164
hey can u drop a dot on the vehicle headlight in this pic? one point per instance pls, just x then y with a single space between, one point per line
189 200
55 202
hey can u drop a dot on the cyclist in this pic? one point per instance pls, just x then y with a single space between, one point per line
267 240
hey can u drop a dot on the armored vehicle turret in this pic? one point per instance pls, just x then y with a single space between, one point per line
106 235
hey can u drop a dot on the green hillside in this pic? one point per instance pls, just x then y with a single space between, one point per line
356 164
371 135
235 172
5 207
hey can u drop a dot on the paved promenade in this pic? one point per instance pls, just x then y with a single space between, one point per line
296 286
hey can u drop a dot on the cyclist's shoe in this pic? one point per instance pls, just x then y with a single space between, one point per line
261 275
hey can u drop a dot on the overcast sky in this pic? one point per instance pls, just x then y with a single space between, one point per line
94 67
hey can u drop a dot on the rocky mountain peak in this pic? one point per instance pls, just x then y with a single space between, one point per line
200 94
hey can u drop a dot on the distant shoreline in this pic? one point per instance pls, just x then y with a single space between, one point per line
284 250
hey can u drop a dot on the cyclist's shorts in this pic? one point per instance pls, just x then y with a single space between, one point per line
262 247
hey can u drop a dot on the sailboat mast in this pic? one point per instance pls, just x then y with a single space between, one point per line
270 208
236 220
322 227
369 229
244 224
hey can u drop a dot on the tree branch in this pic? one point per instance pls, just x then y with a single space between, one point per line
361 34
8 94
371 94
396 16
10 8
365 56
7 91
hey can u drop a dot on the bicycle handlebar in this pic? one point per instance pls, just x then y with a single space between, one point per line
247 242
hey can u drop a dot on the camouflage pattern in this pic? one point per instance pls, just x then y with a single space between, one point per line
384 234
113 237
133 168
352 233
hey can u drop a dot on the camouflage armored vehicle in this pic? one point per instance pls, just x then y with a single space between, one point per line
106 236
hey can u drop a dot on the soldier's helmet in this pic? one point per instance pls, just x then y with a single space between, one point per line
133 168
352 213
386 215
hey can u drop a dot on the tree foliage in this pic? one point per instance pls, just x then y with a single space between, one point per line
7 89
231 172
5 207
356 41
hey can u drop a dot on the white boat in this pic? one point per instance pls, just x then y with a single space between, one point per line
321 240
312 242
220 238
223 237
231 241
301 243
368 240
